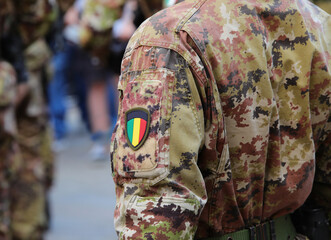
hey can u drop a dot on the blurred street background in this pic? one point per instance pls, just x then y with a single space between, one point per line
83 197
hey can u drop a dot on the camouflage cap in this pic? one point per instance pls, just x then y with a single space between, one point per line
7 84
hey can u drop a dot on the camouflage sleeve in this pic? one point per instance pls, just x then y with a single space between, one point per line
320 102
154 150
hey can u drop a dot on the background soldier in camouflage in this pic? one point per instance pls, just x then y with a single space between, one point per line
10 160
224 118
98 18
29 217
29 193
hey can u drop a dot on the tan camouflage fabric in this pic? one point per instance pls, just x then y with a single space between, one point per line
324 4
29 196
97 21
322 188
238 94
7 84
37 56
9 152
9 163
35 178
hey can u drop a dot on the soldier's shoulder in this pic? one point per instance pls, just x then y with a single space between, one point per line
161 28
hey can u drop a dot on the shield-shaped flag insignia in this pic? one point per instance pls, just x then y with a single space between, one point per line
137 125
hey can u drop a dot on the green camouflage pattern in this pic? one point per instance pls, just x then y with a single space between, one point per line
35 178
24 193
100 15
28 202
239 97
322 189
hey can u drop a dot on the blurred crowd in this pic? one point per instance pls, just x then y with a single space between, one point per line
49 50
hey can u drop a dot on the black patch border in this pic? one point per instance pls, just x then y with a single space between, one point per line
146 131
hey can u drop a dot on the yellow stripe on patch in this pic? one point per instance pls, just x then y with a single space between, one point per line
136 132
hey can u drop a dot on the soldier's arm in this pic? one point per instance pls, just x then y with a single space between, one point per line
160 189
321 121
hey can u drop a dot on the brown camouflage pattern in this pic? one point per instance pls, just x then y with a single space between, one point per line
27 181
7 84
34 18
239 96
9 151
322 189
28 205
35 178
97 21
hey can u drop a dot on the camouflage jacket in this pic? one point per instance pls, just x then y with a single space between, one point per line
224 107
10 162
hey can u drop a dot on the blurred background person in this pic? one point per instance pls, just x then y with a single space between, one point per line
9 151
89 26
59 50
29 216
23 23
317 207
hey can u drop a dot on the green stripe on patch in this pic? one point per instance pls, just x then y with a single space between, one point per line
130 129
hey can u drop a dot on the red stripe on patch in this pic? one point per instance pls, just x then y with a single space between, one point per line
143 124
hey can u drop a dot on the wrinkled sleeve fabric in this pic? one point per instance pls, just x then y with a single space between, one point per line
159 188
321 119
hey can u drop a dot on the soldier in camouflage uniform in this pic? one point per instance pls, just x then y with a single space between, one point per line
321 193
11 72
29 192
224 118
9 151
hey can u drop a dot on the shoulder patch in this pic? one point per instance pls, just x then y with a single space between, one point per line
137 125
